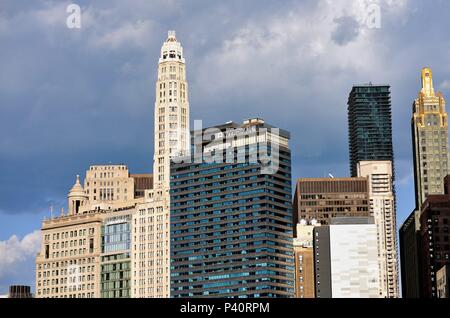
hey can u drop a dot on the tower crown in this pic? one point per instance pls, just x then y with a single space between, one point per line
171 49
427 82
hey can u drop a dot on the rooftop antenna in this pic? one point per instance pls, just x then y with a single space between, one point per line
51 211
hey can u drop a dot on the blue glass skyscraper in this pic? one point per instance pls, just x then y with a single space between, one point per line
231 224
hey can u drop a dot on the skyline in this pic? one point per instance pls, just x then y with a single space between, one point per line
47 181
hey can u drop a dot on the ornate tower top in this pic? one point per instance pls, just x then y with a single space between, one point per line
427 82
171 49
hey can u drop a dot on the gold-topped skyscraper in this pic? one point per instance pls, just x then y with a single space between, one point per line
429 126
430 140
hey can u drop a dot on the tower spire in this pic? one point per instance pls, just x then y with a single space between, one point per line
427 82
171 35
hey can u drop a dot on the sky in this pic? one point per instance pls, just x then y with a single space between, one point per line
74 97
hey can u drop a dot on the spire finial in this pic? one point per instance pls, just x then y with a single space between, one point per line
171 36
427 82
78 178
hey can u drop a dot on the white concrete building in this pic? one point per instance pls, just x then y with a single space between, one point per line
346 259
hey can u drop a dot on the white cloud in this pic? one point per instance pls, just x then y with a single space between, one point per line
52 14
15 251
297 39
127 34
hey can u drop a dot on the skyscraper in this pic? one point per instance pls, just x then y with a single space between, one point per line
430 140
382 209
171 111
369 125
429 126
231 220
151 234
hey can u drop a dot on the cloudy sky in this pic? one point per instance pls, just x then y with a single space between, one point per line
74 97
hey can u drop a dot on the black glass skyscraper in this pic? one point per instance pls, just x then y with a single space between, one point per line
369 124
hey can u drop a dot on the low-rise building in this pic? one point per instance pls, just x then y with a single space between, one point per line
346 259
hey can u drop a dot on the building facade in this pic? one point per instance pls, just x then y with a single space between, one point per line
369 125
344 270
85 253
115 267
322 199
304 260
142 182
435 239
68 264
231 220
108 184
443 282
382 209
410 259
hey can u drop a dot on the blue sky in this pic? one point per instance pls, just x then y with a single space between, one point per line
74 97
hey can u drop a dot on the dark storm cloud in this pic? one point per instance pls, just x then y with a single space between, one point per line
346 31
71 98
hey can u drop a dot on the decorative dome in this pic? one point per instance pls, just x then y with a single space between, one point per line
77 189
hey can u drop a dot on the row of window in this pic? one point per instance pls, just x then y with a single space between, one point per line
69 234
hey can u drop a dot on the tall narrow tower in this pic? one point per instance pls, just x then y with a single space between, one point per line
171 111
369 125
430 140
429 126
151 237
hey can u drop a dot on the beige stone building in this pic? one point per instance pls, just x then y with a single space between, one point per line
382 209
69 264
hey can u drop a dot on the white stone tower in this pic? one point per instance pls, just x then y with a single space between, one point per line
151 234
171 111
